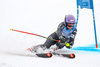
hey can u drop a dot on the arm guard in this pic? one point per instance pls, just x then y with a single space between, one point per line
60 28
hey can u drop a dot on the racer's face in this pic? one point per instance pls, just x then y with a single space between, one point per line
70 26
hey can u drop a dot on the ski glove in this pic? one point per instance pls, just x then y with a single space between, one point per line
62 39
67 45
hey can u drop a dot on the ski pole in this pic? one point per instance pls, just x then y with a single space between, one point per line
66 44
34 34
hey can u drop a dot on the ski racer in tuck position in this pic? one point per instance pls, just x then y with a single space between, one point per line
64 33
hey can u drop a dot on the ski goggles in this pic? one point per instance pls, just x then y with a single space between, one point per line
70 25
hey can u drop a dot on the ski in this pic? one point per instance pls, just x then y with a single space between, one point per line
45 55
71 55
48 55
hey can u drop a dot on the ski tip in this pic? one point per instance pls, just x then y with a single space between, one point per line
71 55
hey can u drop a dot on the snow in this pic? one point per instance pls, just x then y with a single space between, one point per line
82 59
42 17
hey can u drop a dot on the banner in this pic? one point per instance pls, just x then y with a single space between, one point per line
85 4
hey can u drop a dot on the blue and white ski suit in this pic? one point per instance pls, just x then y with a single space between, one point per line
62 30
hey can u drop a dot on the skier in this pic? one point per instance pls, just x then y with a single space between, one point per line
64 33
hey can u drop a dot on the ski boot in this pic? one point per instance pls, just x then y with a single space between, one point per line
38 49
